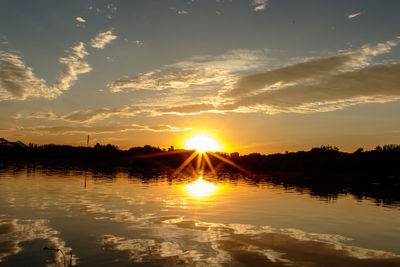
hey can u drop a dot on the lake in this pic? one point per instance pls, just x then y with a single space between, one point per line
121 219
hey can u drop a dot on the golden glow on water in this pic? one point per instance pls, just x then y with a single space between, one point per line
200 188
202 143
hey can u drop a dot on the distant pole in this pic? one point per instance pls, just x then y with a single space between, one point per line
87 142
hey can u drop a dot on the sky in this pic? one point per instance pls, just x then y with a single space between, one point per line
263 76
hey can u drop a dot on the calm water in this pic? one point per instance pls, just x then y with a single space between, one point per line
121 220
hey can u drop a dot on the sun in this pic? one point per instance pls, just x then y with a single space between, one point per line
202 143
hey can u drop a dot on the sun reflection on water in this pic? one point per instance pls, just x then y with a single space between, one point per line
200 188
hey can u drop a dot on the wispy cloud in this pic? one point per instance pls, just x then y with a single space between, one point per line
102 39
80 19
74 66
106 129
320 84
139 43
353 15
221 84
42 115
259 5
183 12
158 81
17 81
197 70
109 10
187 109
374 84
312 70
80 50
88 115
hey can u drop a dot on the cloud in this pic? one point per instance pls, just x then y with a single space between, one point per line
102 39
108 11
376 84
259 5
43 115
139 43
237 60
156 81
195 71
221 84
79 50
99 114
79 19
74 66
353 15
311 70
316 85
17 81
88 115
321 84
107 129
112 8
188 109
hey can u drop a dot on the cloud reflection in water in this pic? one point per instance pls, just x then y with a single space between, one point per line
14 231
191 242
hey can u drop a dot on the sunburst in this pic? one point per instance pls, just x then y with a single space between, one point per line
203 146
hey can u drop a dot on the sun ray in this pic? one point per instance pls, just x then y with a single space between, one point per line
240 168
207 159
198 164
186 162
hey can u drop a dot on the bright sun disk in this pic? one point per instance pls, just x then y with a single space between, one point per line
202 143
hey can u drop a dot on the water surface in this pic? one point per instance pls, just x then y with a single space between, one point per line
119 219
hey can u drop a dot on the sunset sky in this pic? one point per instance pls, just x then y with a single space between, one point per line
259 75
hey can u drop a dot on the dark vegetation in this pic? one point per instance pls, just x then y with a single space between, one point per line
324 171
